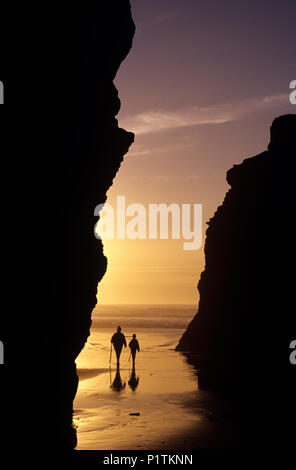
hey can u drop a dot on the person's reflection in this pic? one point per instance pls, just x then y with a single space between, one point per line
133 381
117 383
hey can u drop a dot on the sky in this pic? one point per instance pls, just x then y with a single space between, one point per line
199 88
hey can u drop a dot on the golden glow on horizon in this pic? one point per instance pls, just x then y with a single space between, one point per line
149 272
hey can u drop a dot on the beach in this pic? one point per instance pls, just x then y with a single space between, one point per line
155 406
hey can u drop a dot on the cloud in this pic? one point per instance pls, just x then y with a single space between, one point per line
167 17
140 153
161 120
139 150
148 25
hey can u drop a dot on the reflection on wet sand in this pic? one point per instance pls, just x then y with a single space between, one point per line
134 380
118 384
157 410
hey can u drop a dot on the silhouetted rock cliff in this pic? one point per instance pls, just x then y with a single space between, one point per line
63 148
86 148
239 339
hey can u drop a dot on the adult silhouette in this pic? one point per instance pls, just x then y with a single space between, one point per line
118 340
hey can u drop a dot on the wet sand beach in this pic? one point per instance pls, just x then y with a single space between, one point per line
155 406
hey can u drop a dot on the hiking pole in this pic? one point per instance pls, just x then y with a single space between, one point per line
129 356
110 354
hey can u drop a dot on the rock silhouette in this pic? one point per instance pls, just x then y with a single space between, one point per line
239 339
86 148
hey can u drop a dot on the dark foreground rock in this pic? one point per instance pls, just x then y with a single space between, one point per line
65 162
239 339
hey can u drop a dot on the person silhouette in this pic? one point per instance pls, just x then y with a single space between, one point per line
118 384
118 340
133 381
134 347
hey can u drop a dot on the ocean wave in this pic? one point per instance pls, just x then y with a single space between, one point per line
135 322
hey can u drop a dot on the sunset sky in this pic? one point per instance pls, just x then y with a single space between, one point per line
200 88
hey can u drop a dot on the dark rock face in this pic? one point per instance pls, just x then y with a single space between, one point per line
240 337
85 150
62 148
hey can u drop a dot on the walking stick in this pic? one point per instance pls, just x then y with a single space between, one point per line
129 356
110 354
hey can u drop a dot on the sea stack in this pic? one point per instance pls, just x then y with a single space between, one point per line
239 340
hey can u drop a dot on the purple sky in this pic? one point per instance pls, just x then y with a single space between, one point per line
200 88
192 52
